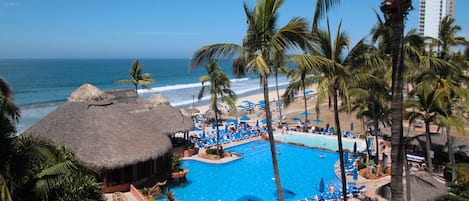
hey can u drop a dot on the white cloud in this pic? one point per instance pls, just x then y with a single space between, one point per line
9 4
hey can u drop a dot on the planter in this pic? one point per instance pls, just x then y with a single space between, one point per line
179 174
188 152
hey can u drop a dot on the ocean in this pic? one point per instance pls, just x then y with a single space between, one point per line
42 85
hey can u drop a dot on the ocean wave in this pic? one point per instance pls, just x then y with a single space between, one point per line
180 86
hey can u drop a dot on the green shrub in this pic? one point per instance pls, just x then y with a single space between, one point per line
175 162
213 151
361 165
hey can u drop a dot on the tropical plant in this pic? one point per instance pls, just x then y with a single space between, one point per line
426 105
219 88
447 36
136 77
299 82
334 78
395 12
262 41
9 116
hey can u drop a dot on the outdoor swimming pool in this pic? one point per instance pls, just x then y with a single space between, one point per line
324 141
301 170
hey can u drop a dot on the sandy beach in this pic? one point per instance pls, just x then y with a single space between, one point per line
326 114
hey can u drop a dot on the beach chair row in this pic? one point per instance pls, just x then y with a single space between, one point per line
225 138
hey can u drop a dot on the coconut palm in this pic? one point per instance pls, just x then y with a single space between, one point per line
299 82
333 77
262 41
219 87
395 12
136 77
456 120
427 104
43 171
447 36
9 116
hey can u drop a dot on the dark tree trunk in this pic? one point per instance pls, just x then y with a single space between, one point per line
339 142
376 127
273 151
407 176
397 139
278 98
451 154
215 109
428 146
305 127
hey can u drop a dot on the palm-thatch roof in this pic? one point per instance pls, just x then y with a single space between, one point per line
461 144
164 117
190 111
87 92
423 188
156 100
102 131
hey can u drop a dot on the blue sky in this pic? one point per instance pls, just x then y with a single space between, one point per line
156 28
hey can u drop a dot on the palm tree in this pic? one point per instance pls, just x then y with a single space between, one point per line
447 36
42 171
395 12
333 77
219 88
262 41
299 82
426 106
9 116
136 77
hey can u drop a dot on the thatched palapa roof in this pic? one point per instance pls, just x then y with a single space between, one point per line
163 117
101 129
423 188
87 92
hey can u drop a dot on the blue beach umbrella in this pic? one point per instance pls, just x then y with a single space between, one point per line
295 119
322 186
244 118
248 102
305 113
264 121
233 121
317 121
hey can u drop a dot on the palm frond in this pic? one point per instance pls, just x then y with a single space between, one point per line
216 51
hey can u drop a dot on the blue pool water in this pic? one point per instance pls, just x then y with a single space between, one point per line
323 141
301 170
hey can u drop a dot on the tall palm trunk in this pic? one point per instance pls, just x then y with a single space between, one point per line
366 140
305 128
428 146
451 154
376 126
407 176
397 139
339 141
273 151
278 98
215 109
